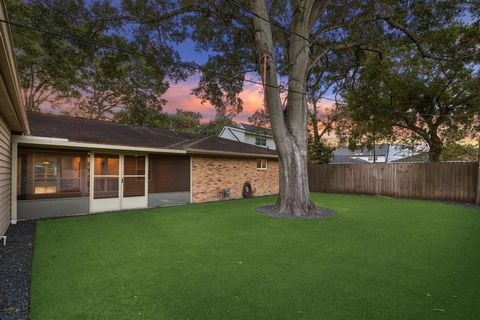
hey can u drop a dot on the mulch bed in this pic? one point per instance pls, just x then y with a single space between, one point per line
320 213
15 270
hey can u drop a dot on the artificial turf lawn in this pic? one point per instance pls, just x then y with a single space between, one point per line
376 259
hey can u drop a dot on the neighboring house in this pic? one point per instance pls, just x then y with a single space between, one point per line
397 152
380 152
71 166
246 133
383 153
13 119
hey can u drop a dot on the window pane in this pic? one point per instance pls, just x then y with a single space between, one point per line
106 165
106 187
52 174
260 141
45 174
261 164
133 186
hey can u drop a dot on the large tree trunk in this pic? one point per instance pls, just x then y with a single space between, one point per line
435 145
289 127
294 193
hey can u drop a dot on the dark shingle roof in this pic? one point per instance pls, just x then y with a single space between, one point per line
104 132
256 130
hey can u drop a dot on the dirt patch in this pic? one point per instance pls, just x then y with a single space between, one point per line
320 213
15 270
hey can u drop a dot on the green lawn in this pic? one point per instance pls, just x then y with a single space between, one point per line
376 259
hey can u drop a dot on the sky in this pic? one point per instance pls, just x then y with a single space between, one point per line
180 95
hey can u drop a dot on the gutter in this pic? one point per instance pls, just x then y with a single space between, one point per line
229 153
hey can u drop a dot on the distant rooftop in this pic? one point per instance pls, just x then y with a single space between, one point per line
256 130
380 150
339 159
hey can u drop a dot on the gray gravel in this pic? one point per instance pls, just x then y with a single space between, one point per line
15 271
320 213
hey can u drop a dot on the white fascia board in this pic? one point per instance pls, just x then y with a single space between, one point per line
235 129
58 142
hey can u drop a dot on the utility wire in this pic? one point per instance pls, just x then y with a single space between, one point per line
195 67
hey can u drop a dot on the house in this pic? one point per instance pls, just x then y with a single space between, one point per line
56 165
383 153
69 166
380 153
13 119
246 133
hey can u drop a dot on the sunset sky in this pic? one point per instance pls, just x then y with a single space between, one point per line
180 96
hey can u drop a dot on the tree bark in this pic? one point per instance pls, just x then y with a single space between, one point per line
435 145
289 127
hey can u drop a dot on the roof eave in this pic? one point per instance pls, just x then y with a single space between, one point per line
229 153
17 117
65 143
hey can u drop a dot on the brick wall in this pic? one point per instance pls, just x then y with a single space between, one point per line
211 174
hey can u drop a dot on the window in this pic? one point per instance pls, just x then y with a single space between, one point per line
50 175
261 164
261 142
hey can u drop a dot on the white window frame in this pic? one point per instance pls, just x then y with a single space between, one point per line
262 139
262 161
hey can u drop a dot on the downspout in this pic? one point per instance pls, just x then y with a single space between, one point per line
13 191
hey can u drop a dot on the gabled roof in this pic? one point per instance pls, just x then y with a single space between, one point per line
103 132
255 130
380 150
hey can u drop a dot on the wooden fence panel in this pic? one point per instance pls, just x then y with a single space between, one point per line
453 181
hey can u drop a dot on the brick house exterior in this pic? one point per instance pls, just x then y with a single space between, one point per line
212 174
73 166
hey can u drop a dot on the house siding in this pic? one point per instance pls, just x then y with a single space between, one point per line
212 174
5 175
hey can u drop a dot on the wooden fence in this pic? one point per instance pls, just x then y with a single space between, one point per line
437 181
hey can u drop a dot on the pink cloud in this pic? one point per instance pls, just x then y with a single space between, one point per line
180 96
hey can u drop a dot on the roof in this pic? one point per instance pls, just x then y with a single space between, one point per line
380 150
256 130
12 108
338 159
103 132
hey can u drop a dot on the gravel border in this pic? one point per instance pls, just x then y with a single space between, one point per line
15 270
271 211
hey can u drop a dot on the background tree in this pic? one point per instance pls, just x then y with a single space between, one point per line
260 118
292 37
114 65
185 121
215 126
48 64
406 96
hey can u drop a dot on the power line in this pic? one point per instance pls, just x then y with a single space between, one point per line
194 66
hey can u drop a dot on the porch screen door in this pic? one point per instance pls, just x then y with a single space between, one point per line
119 182
134 182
